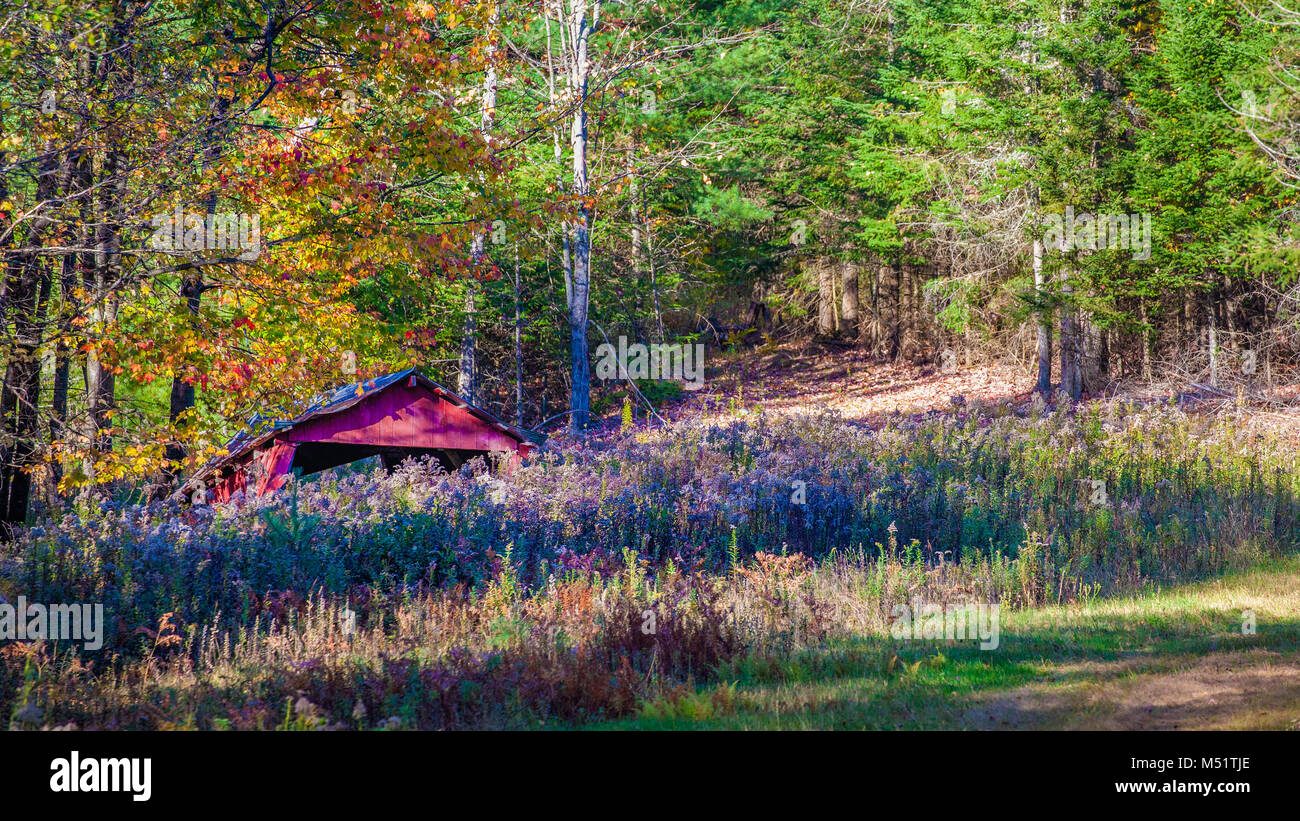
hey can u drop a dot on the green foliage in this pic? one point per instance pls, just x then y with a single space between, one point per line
726 208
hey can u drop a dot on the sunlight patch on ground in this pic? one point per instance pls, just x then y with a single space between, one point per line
1173 659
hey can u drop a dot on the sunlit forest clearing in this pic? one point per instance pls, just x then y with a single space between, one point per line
1172 659
614 576
450 364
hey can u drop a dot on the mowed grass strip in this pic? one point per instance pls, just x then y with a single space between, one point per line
1169 659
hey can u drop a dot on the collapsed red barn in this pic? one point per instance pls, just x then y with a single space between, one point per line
396 416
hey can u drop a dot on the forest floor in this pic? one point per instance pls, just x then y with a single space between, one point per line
792 379
1172 659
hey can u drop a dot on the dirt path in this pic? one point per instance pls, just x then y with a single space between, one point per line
1248 690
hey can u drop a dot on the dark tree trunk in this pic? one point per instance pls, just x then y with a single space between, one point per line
20 397
823 271
27 282
1071 376
908 343
182 393
889 311
849 299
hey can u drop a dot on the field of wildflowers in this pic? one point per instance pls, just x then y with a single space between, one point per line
601 576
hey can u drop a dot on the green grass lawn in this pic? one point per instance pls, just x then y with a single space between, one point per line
1170 659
